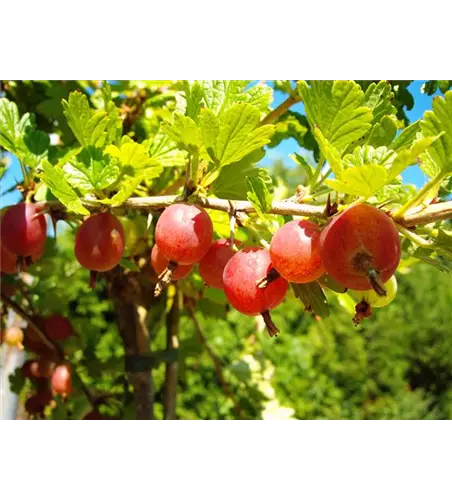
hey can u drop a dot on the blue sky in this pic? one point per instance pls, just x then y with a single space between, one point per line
413 175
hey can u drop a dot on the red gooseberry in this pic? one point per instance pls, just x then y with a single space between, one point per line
360 248
295 251
240 278
212 265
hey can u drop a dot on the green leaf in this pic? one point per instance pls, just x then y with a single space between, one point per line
407 157
193 98
368 155
210 127
259 195
9 123
129 264
360 181
240 134
330 153
329 282
89 126
231 182
338 109
378 98
184 132
313 298
37 144
444 239
219 94
407 137
308 169
383 133
91 171
291 124
260 96
55 179
20 135
435 122
165 151
129 184
131 154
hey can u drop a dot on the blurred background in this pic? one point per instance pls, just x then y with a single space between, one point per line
395 365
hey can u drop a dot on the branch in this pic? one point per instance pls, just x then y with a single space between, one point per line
47 341
280 110
158 202
130 317
39 332
217 363
172 342
433 213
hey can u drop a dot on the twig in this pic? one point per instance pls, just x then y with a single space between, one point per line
47 341
172 342
433 213
281 109
217 363
39 332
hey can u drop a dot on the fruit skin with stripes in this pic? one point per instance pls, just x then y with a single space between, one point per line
240 278
360 248
23 229
295 251
184 233
99 242
211 266
160 263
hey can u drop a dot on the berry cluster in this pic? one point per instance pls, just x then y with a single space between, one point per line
359 248
50 375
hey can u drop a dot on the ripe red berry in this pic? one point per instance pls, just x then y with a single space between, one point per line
23 229
160 264
240 278
61 380
38 368
36 404
57 327
295 251
184 233
360 248
99 243
8 261
212 265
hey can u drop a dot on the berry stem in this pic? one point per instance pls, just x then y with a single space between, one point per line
271 327
272 275
165 278
374 278
92 278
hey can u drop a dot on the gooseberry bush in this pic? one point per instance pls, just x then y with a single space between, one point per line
154 192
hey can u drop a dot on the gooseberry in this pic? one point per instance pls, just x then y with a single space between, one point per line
61 380
240 278
57 327
295 251
375 300
13 337
160 264
212 265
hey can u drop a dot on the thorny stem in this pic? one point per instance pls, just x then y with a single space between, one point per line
217 363
432 213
